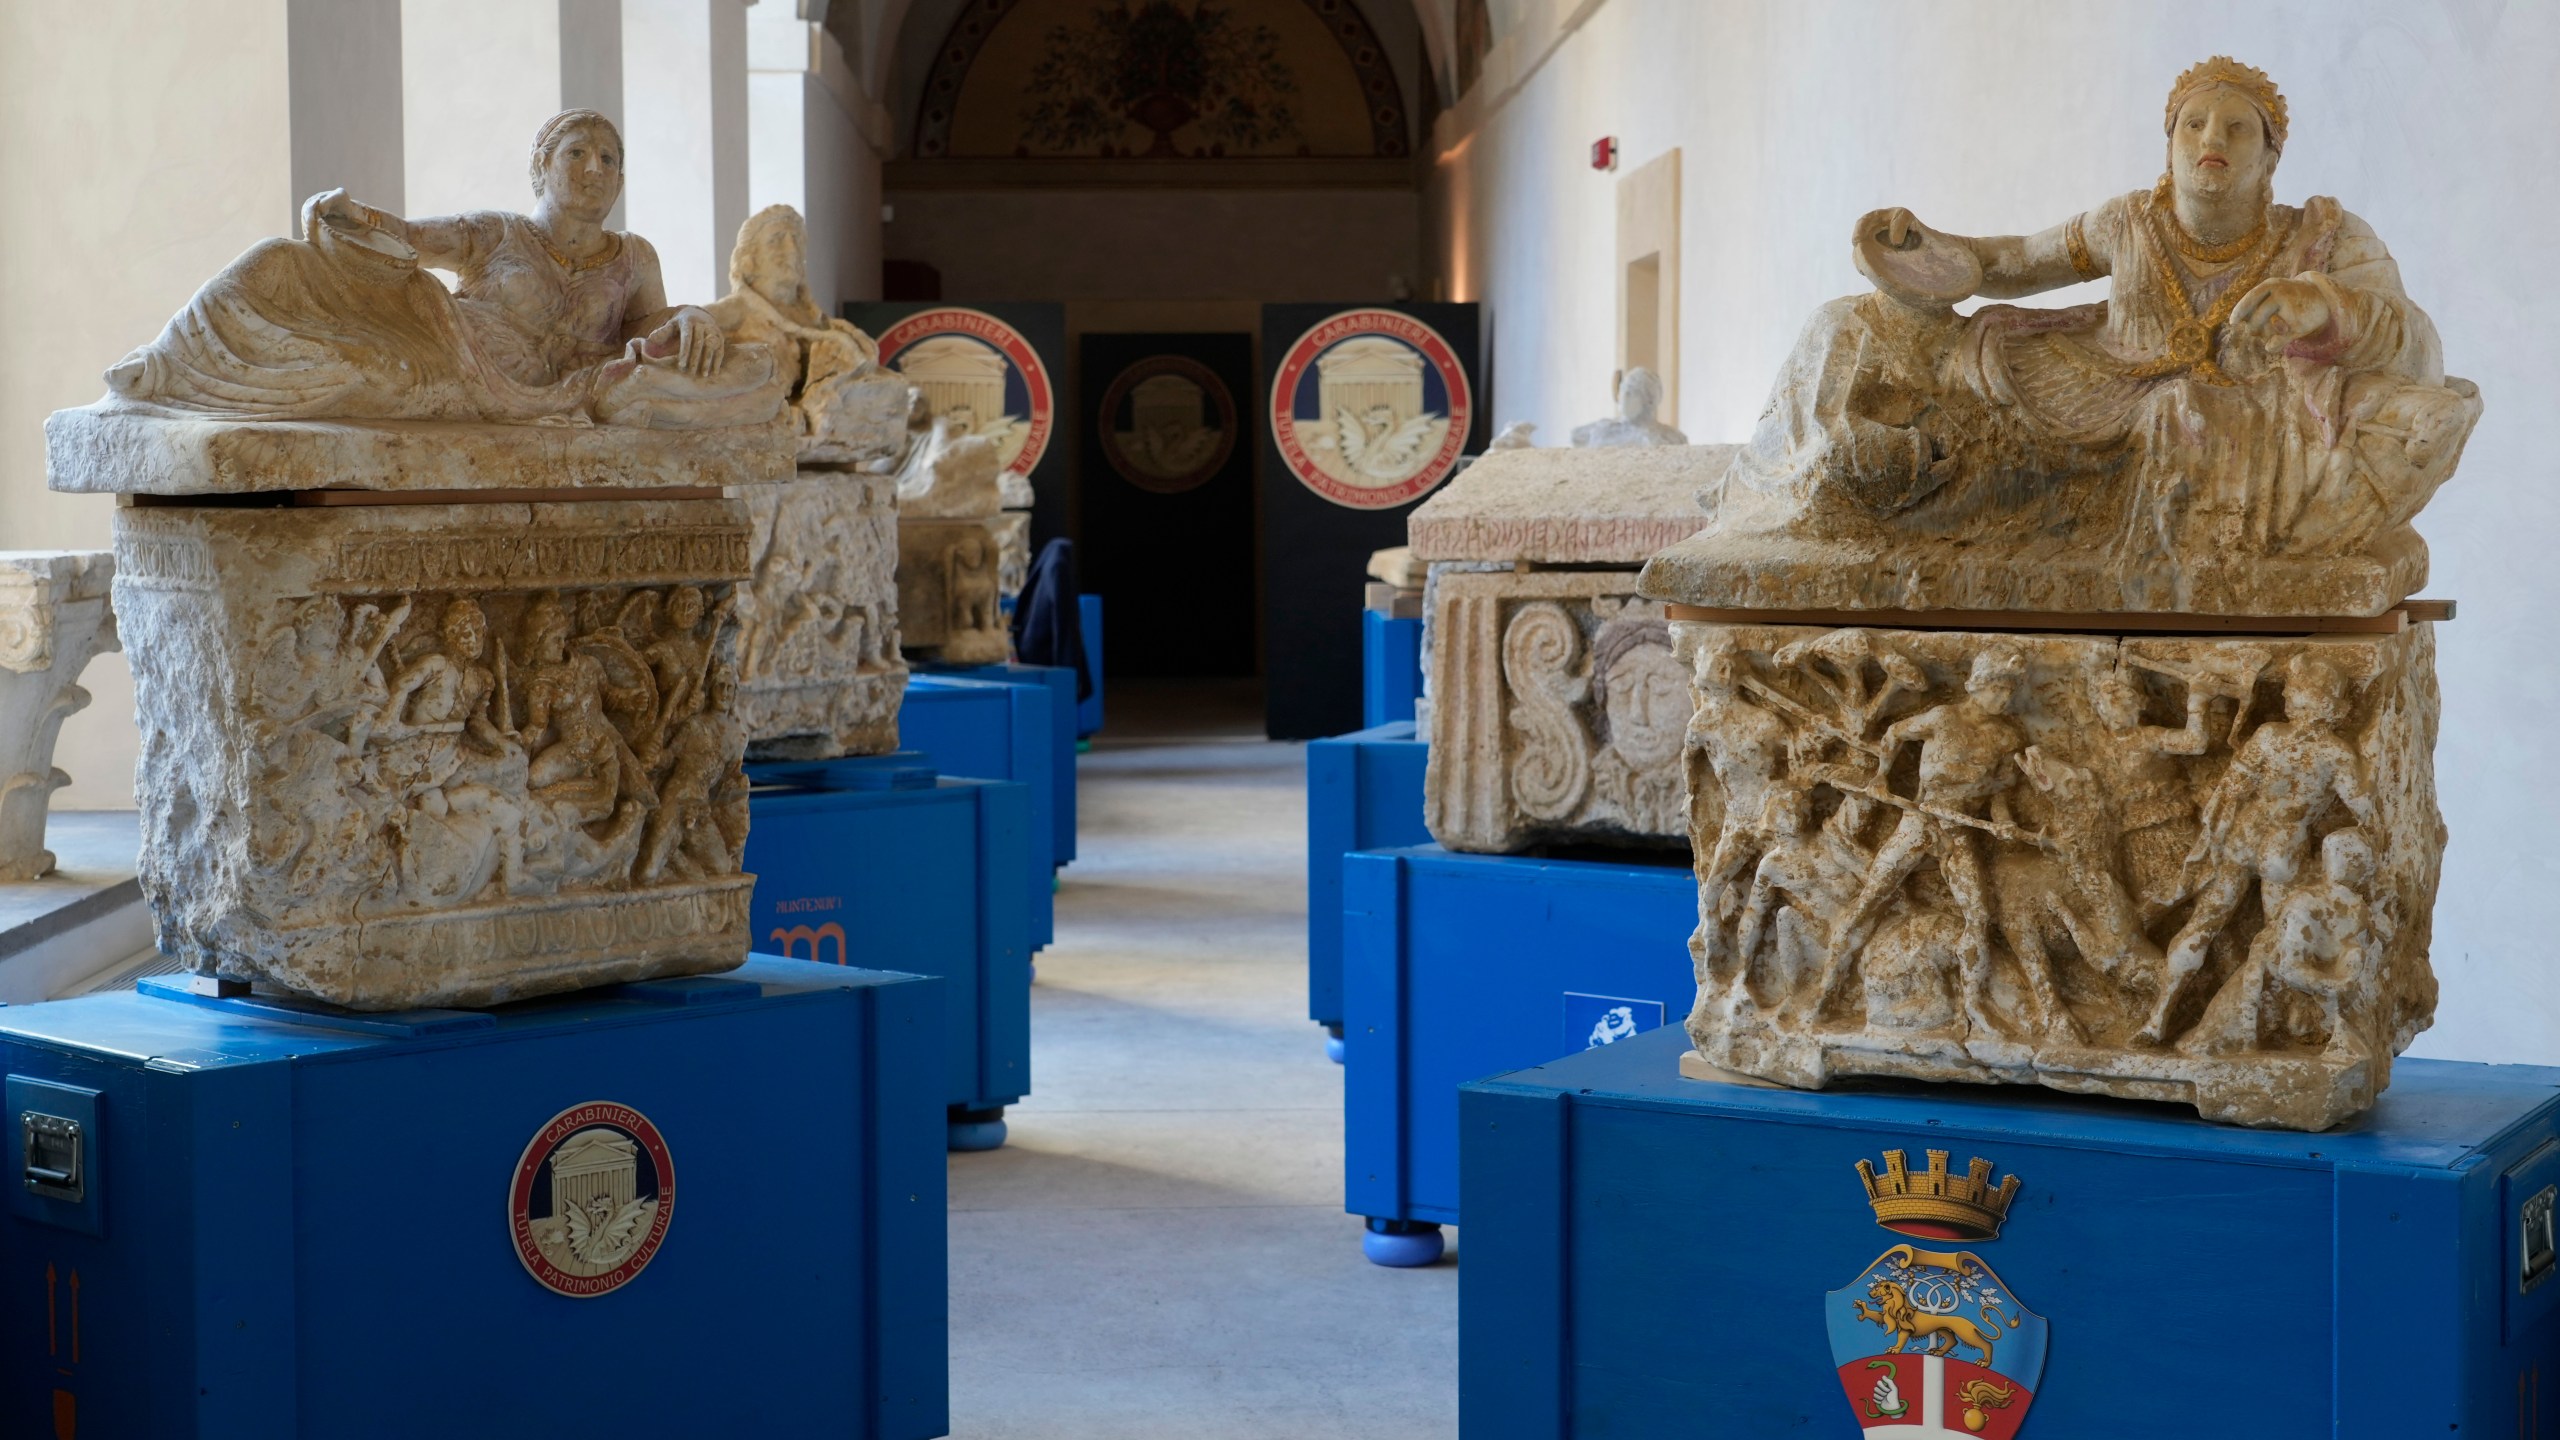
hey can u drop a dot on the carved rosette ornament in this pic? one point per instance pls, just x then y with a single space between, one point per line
2196 864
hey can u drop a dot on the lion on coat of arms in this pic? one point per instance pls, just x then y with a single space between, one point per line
1906 1322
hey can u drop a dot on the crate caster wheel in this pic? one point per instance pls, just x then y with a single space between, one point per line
975 1129
1034 969
1401 1244
1333 1046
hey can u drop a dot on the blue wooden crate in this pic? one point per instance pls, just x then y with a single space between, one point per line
1364 792
987 730
1460 966
1089 709
1649 1256
293 1222
1390 668
920 874
1060 682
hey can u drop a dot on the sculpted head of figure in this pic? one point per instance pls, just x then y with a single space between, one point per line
465 629
684 608
1716 667
1644 699
1639 395
2314 691
2347 860
772 257
2226 126
546 630
1995 680
2117 697
1786 812
577 163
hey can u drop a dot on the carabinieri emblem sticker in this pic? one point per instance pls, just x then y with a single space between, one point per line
1370 409
1931 1342
592 1198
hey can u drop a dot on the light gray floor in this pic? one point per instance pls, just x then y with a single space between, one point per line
1160 1249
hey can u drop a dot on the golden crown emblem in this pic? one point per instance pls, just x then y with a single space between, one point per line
2249 80
1935 1204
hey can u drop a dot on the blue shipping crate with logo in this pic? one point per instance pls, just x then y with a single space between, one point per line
1059 684
915 873
1364 792
259 1219
982 730
1654 1256
1460 966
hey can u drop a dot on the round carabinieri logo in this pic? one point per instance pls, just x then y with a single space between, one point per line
1371 409
592 1199
1167 424
979 373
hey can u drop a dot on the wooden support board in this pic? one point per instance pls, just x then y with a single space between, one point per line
2389 622
334 498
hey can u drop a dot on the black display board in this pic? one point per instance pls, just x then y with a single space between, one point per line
1012 356
1365 410
1166 495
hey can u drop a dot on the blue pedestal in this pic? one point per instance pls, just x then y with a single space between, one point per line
1364 792
984 730
1060 682
1390 668
1089 621
1461 966
1649 1256
296 1225
922 875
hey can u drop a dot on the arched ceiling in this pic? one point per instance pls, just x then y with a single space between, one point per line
900 46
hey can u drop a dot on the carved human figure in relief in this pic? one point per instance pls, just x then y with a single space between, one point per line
1745 748
2140 779
1803 885
1644 709
1969 752
2257 378
2258 820
2328 940
555 316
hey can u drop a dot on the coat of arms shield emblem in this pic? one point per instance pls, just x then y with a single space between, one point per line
1930 1342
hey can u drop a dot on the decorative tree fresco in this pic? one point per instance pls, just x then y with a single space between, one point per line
1157 67
1161 80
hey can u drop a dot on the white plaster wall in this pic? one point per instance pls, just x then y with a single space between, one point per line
478 78
142 147
684 85
807 149
2439 123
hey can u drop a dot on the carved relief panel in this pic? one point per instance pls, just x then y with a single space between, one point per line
396 756
818 660
2184 869
1556 714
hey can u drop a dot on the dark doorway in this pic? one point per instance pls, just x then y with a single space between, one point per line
1167 538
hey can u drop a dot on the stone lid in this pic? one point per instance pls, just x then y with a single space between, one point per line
105 449
1569 506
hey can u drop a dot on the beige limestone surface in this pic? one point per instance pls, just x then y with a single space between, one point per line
2198 870
2248 424
1556 712
1568 507
398 756
947 605
54 617
820 672
844 407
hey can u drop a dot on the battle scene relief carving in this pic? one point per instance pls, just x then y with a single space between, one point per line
2167 868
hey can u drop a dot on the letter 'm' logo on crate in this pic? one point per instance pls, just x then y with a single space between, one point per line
592 1198
814 937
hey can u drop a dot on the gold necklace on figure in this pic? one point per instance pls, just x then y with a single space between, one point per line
2192 340
542 237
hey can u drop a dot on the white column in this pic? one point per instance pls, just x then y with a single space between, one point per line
480 77
345 98
816 138
684 79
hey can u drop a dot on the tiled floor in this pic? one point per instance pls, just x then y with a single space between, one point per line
1161 1248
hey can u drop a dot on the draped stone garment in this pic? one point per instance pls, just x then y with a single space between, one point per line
347 324
2099 421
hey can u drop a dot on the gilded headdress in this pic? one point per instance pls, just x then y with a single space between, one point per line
2249 80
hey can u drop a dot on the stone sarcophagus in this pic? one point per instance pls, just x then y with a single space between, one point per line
2176 868
432 596
1556 706
54 618
402 755
2062 715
